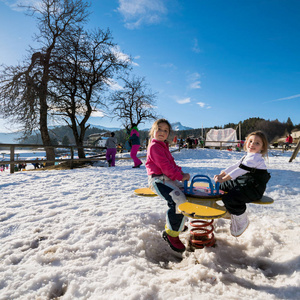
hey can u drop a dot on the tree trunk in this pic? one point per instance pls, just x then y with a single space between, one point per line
81 153
79 143
78 137
50 153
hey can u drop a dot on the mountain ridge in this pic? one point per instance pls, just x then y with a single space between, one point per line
11 138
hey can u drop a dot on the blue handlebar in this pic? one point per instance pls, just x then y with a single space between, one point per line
214 190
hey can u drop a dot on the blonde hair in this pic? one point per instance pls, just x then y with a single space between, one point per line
155 127
264 139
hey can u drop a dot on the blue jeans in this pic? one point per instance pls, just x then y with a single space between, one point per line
170 191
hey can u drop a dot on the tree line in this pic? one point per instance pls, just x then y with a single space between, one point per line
273 129
62 135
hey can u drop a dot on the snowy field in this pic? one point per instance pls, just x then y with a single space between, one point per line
83 234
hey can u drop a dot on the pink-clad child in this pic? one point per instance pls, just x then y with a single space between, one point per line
164 178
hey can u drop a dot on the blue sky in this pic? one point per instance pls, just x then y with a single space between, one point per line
211 62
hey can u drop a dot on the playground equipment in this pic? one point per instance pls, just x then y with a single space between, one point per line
202 207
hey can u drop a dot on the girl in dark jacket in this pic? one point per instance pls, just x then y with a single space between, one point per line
245 181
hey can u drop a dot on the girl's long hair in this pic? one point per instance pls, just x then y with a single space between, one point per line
264 139
155 127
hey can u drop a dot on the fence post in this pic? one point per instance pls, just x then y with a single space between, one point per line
12 158
72 157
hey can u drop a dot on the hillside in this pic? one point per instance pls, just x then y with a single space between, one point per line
274 130
9 138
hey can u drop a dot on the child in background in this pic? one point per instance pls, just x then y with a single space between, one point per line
245 181
163 177
288 142
111 149
134 139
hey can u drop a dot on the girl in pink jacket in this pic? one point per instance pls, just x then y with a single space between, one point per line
163 177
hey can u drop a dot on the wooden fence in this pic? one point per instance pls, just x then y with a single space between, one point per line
97 157
12 161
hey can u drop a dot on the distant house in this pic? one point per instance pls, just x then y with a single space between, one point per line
296 136
97 139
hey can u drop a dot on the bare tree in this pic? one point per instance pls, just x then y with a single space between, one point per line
89 64
24 90
135 103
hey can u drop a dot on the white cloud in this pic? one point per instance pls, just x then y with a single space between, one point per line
169 65
203 105
149 106
184 101
113 85
195 47
119 54
194 82
285 98
135 63
14 5
122 56
195 85
98 113
139 12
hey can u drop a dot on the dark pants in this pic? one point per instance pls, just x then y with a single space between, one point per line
244 189
235 200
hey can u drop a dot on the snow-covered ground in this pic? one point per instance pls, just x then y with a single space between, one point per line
84 234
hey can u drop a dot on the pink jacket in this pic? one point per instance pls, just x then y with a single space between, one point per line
161 161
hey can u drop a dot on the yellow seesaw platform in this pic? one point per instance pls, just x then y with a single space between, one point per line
204 207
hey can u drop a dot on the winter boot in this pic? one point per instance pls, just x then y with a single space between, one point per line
137 166
239 224
174 242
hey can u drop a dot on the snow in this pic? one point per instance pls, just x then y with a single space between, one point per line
84 234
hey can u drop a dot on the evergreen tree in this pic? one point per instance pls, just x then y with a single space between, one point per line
66 141
289 125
